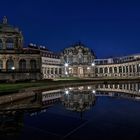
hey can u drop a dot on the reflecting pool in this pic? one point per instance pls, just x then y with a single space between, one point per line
100 111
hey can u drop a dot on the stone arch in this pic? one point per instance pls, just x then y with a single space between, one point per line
101 70
115 69
9 64
22 64
10 43
110 70
105 70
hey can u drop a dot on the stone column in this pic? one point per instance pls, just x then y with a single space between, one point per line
107 69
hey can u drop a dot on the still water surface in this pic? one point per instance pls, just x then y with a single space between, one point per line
103 111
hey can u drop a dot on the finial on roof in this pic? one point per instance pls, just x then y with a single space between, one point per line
4 20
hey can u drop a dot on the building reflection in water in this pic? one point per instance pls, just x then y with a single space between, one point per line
78 99
11 124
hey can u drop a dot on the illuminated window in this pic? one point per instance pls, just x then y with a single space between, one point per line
9 43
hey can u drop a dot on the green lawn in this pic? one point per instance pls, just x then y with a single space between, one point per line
16 87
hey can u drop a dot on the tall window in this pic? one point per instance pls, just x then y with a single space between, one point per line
115 69
33 64
1 64
9 64
1 46
9 43
110 70
22 64
106 70
101 70
120 69
60 71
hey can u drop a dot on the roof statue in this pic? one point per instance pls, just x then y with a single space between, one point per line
4 20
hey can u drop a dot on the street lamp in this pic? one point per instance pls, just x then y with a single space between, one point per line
13 77
93 64
93 91
66 69
13 68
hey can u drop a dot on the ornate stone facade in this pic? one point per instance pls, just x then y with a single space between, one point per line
124 67
77 61
16 62
50 62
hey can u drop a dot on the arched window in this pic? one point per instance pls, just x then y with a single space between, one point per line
101 70
9 43
1 64
106 70
110 70
9 64
33 64
1 45
22 64
115 69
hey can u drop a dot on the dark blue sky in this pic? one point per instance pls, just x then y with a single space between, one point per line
109 27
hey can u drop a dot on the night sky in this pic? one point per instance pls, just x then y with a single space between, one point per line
109 27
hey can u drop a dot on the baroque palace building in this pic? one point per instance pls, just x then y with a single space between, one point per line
78 61
16 62
37 62
50 62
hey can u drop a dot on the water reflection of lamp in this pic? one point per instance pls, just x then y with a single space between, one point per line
67 92
89 87
66 64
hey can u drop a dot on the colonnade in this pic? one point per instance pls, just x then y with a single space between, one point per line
118 70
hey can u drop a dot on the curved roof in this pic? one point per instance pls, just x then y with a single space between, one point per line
79 46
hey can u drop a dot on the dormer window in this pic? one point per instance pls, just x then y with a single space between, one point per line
9 43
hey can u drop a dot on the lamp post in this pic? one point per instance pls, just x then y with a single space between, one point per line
13 69
93 68
66 69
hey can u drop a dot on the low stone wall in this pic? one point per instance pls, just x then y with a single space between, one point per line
16 96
